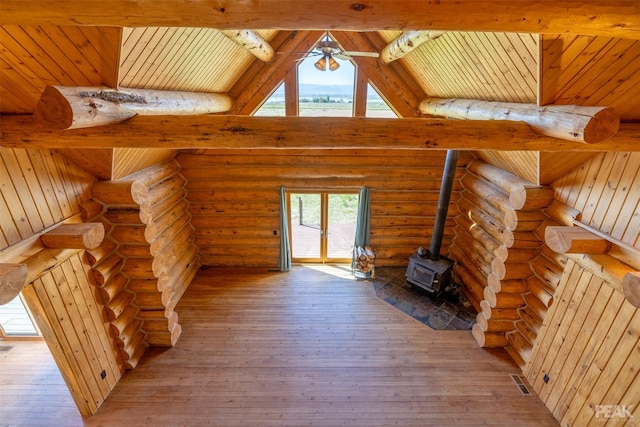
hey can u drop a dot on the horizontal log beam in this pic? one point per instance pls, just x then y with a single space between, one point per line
599 17
631 287
251 41
571 122
13 277
405 43
229 132
70 107
574 240
87 235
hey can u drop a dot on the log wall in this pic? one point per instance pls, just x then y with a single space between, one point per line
588 342
494 247
235 198
40 189
148 257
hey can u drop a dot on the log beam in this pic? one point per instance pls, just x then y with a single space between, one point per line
13 277
631 287
251 41
571 122
74 236
261 79
395 85
242 132
574 240
62 107
598 17
405 43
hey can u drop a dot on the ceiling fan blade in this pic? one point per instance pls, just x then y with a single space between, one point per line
341 56
369 54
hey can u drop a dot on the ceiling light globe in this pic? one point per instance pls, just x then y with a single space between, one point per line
333 64
321 64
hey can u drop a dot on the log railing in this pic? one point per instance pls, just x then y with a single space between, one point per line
148 258
494 246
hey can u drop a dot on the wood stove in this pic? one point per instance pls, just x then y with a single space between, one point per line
431 275
427 269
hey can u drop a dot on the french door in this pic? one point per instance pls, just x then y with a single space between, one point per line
322 225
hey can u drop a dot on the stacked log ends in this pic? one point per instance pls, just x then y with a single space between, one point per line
364 258
547 271
149 259
496 239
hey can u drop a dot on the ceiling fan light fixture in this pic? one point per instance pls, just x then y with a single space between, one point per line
321 64
333 64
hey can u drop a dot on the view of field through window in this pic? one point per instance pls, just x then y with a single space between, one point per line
325 93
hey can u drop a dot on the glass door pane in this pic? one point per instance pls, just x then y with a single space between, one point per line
341 228
305 215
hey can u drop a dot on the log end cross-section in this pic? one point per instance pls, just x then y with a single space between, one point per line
13 277
631 287
574 240
74 236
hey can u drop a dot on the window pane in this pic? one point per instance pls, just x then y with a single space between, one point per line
325 93
376 106
305 225
15 320
343 213
274 105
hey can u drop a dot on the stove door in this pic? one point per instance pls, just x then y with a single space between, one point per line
420 276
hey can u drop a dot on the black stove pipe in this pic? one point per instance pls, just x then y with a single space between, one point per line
443 203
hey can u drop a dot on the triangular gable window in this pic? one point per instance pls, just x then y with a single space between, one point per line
274 105
376 106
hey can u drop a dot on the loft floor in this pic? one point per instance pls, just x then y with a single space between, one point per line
309 347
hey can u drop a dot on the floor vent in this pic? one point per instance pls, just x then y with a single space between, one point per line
517 379
5 347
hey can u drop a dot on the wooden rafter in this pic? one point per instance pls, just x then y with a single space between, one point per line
261 79
251 41
604 17
216 131
405 43
394 83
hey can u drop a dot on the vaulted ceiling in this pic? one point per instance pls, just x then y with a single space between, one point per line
601 68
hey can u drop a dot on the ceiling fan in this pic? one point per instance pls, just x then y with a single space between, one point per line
329 50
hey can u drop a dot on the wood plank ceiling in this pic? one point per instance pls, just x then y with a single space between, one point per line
583 70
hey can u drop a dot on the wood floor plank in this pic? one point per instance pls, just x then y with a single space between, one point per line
309 348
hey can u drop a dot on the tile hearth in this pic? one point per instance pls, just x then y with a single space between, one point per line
450 311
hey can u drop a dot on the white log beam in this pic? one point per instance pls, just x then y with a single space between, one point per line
62 107
405 43
251 41
218 131
570 122
619 18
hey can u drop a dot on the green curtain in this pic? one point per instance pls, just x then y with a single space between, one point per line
363 224
285 248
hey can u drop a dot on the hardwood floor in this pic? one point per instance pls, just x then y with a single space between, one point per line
309 348
32 391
